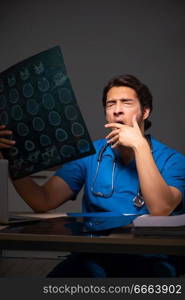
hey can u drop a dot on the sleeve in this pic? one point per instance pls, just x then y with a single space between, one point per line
174 175
74 174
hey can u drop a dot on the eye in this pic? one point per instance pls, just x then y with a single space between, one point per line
110 104
128 103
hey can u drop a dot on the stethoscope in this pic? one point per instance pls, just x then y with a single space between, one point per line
138 200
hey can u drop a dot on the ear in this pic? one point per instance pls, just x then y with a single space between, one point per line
146 113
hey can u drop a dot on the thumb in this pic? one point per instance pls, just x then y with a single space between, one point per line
134 121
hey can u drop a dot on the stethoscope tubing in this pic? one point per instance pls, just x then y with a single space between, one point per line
138 200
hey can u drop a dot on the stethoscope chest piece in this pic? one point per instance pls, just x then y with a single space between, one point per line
138 201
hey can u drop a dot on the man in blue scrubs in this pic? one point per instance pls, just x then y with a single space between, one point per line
130 173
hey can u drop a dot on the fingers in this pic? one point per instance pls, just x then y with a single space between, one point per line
113 125
112 133
114 140
113 136
5 146
5 132
2 126
5 143
115 145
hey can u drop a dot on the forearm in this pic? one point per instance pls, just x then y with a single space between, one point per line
32 194
157 194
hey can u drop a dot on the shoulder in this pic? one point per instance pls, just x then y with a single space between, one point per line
162 152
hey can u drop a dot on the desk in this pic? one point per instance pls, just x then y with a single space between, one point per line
56 234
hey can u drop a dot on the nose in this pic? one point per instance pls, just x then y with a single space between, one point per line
118 109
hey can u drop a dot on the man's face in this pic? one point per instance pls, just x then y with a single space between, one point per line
122 104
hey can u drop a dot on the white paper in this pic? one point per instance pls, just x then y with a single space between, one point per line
159 221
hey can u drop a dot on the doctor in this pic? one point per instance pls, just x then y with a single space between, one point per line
130 173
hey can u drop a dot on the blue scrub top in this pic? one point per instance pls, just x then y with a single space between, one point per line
170 163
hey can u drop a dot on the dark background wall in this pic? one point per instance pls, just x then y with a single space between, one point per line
100 39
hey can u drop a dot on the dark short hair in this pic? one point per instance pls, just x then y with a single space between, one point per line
142 91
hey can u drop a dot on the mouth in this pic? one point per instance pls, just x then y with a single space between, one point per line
120 122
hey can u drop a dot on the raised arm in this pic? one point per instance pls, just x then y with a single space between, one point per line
40 198
160 198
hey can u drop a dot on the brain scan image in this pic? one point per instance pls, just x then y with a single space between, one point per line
38 104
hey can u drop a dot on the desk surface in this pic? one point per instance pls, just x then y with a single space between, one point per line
68 234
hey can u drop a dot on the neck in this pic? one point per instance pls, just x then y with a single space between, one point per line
126 154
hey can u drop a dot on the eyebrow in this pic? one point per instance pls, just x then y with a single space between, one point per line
122 99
